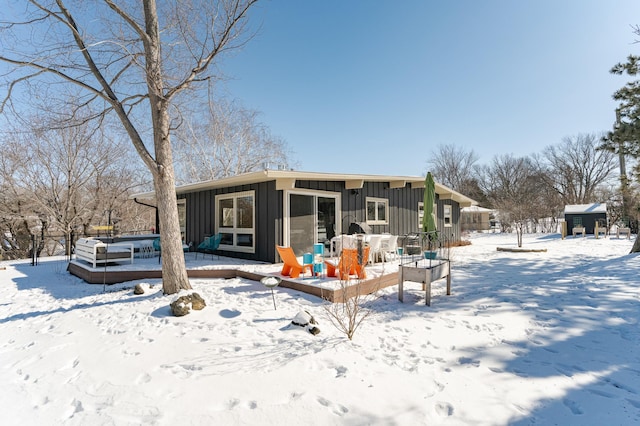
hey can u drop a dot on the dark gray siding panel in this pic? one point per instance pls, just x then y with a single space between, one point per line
452 232
403 206
201 221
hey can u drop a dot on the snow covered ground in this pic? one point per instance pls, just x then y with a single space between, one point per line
525 338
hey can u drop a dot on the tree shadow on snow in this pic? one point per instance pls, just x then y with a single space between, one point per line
584 315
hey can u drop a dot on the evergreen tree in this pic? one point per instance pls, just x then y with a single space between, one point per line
624 139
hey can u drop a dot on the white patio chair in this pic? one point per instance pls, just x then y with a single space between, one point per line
340 242
391 250
375 243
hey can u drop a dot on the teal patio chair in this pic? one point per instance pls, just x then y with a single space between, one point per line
209 245
156 247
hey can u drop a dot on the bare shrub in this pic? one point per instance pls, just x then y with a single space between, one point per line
352 308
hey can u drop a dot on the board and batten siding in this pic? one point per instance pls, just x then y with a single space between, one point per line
403 206
269 213
200 208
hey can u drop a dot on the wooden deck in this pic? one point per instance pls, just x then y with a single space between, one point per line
354 287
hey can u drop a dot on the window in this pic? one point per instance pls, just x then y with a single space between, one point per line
235 219
447 215
421 214
182 216
377 211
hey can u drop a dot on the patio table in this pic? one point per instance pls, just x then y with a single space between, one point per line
349 241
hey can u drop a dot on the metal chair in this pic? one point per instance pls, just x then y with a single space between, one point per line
158 248
209 245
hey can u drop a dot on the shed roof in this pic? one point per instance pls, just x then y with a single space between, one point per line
286 179
585 208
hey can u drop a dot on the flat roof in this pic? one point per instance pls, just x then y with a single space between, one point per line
286 179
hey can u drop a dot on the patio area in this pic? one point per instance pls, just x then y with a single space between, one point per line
379 275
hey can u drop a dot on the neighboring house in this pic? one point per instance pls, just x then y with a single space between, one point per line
476 218
256 211
586 215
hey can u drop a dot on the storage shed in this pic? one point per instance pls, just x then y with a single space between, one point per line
586 215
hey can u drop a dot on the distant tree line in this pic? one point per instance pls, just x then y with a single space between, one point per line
533 190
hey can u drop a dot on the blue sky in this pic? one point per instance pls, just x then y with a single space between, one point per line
360 86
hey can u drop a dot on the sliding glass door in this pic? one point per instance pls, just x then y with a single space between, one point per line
312 219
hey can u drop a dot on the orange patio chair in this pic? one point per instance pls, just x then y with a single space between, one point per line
348 264
291 265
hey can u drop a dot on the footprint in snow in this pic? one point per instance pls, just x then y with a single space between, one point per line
341 371
573 406
337 409
444 409
465 360
143 378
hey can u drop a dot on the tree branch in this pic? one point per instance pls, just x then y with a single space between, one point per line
203 64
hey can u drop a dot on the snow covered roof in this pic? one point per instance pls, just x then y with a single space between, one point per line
585 208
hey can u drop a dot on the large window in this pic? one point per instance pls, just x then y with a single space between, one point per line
377 209
235 221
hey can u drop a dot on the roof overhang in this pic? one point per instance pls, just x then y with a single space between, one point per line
286 179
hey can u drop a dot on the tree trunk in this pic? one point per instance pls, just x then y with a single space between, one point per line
636 244
519 231
174 271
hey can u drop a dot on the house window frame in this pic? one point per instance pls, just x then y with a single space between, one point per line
234 229
421 214
447 215
182 217
378 202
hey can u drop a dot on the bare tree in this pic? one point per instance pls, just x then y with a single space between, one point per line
576 168
68 177
17 219
228 141
455 167
513 187
136 59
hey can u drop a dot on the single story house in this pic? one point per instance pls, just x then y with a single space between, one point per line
476 218
256 211
586 215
